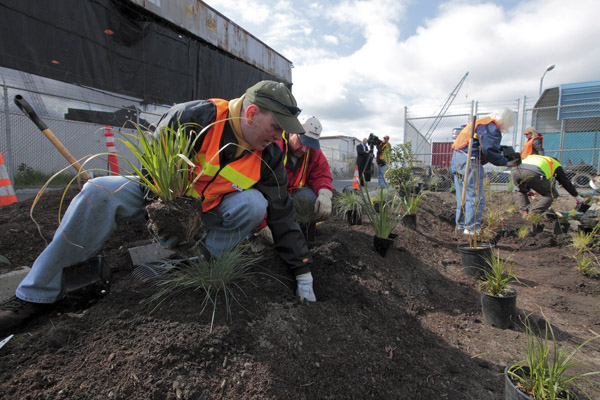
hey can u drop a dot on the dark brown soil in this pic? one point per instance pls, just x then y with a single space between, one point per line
407 326
180 217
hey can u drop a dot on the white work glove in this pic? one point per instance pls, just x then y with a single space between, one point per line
304 288
579 199
323 203
266 234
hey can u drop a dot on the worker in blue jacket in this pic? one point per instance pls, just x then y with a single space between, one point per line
485 149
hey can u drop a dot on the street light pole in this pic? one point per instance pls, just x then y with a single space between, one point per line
548 68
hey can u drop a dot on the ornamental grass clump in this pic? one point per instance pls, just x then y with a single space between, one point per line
348 202
215 279
496 279
389 214
168 175
411 201
522 232
585 265
546 371
165 159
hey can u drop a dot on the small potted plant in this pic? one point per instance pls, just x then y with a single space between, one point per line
348 205
537 225
385 220
562 223
410 204
498 298
547 370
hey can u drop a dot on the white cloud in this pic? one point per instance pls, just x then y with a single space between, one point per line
354 72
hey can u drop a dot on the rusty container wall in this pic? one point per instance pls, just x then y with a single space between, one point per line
441 154
213 27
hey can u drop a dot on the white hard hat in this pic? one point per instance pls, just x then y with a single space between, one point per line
313 129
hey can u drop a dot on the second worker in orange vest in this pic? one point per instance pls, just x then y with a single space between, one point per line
485 149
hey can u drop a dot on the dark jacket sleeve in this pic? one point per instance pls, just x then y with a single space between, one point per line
537 146
563 179
194 114
489 143
281 215
360 151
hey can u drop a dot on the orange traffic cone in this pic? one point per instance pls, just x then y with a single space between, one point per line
356 179
7 193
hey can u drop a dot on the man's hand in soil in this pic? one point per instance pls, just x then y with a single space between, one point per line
304 288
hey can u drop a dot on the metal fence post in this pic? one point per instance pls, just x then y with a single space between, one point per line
9 159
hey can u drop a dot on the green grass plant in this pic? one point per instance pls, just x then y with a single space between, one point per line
546 371
165 157
585 264
389 214
582 241
497 277
411 201
346 202
522 232
214 278
4 260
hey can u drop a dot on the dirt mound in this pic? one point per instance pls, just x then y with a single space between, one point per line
405 326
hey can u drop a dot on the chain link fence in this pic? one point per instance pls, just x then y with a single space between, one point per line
79 124
571 135
79 117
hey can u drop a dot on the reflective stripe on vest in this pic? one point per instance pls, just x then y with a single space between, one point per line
547 164
465 135
301 178
216 180
528 147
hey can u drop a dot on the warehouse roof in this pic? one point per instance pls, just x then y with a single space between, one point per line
574 100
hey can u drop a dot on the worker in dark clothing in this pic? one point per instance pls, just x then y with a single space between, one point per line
363 160
238 185
537 173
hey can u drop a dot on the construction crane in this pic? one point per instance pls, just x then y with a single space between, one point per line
444 108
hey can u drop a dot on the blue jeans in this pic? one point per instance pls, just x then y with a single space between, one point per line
91 218
470 214
380 173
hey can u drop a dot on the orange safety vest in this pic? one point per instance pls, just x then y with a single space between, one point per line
215 180
300 179
381 146
464 136
528 147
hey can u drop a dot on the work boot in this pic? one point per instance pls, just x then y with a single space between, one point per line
15 311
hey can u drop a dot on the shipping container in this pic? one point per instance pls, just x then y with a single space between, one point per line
441 154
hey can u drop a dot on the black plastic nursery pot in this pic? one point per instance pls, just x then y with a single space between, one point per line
537 228
354 218
382 245
560 228
475 259
499 311
511 392
410 221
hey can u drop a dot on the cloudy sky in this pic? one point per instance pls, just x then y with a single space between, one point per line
357 64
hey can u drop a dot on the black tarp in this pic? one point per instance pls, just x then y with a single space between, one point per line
144 57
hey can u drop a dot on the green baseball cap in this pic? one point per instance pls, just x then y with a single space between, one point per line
277 98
